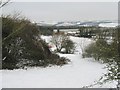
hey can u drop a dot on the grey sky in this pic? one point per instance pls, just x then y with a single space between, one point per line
65 11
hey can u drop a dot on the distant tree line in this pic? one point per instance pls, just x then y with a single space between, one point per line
46 30
99 32
85 31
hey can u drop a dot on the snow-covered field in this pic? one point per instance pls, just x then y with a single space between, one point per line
78 73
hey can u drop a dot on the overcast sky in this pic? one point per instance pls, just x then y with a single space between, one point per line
64 11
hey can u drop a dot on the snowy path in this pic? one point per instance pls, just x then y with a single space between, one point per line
74 75
78 73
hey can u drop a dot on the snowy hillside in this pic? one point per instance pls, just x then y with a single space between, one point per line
78 23
108 24
66 24
42 23
78 73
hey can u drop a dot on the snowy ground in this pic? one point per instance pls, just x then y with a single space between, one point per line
78 73
0 79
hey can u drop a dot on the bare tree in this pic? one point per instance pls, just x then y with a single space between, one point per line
3 3
83 44
58 41
63 42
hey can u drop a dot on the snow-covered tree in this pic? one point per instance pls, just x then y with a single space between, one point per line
108 53
62 41
22 45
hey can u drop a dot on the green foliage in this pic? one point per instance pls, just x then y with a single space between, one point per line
102 50
69 46
46 30
97 50
88 32
107 52
22 46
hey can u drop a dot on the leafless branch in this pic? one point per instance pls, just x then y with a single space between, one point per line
2 3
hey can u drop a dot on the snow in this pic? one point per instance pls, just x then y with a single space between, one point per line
66 24
108 24
0 79
71 32
46 38
78 73
80 43
84 23
43 23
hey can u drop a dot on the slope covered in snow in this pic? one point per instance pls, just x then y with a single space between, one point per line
78 73
108 24
78 23
66 24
